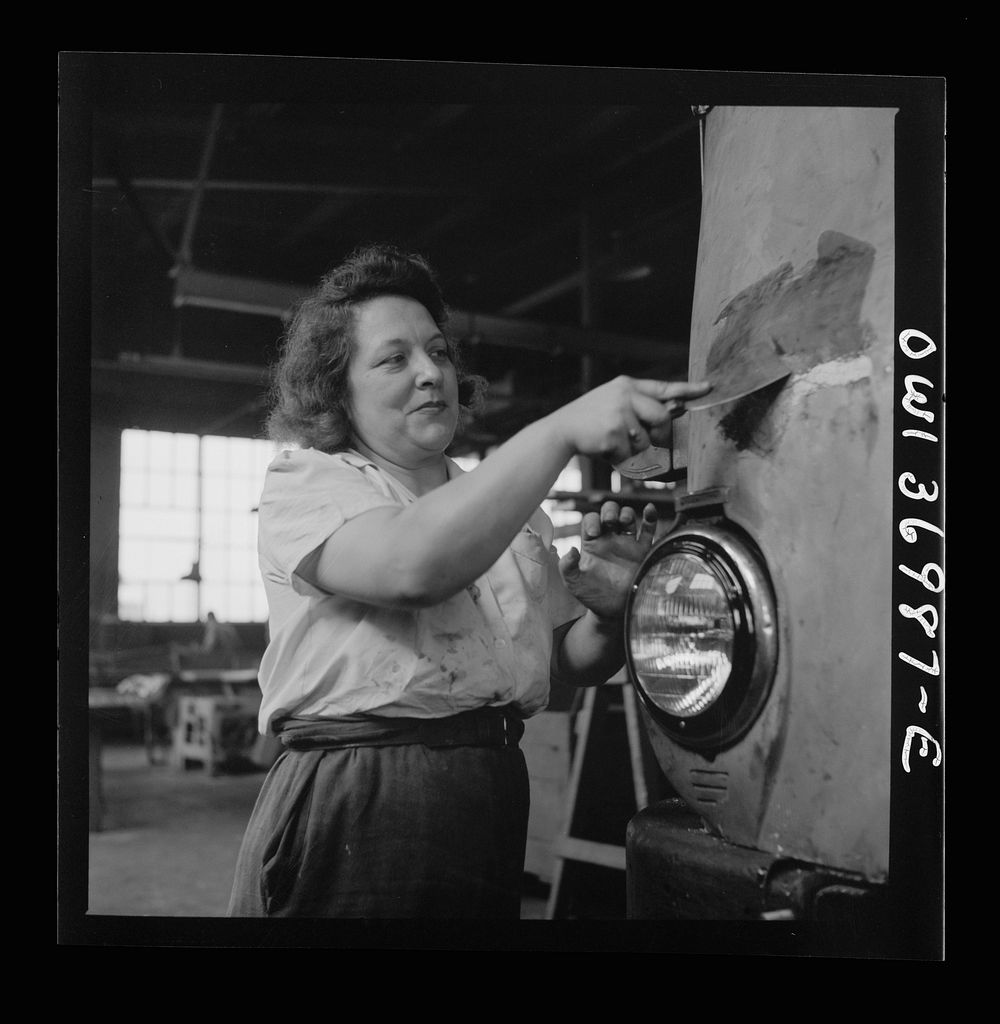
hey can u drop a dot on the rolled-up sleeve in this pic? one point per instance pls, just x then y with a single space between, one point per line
307 496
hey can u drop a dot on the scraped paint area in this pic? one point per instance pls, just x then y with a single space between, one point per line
836 373
810 321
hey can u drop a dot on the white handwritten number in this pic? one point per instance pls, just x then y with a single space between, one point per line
904 343
933 669
917 345
909 534
926 615
913 397
921 493
924 576
925 739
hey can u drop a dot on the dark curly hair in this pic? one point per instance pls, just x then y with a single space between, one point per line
309 386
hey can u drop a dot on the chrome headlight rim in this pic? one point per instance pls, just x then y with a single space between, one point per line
738 567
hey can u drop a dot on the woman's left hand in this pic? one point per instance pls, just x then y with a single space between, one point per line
614 542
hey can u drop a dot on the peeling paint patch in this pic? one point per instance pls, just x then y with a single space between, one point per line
818 313
804 318
809 322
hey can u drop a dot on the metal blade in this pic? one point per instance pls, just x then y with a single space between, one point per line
739 377
741 374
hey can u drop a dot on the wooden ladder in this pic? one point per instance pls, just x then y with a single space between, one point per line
584 786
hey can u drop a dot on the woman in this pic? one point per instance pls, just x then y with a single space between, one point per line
416 611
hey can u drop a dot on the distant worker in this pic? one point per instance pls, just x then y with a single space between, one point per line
220 637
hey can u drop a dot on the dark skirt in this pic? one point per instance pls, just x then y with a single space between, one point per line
387 831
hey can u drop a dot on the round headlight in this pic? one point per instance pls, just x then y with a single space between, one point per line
683 631
701 635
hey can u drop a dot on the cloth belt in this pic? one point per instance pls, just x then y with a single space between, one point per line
484 727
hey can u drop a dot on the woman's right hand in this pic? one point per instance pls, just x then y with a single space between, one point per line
615 420
420 554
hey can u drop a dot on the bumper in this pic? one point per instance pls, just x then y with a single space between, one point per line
677 870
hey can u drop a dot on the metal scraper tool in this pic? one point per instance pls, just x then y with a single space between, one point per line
740 375
651 461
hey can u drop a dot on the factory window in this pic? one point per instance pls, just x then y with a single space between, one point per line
188 527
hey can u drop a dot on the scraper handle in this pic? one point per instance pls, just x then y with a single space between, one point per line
650 462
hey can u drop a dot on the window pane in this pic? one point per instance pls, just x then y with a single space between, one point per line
130 522
133 563
130 601
170 561
215 457
246 492
160 520
185 453
215 529
134 443
161 449
244 531
239 563
241 605
185 603
133 489
241 455
213 565
213 599
186 491
158 603
215 491
161 490
151 524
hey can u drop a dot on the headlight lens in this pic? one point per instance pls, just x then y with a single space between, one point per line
683 634
701 634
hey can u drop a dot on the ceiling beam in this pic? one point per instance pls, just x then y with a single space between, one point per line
527 179
666 138
508 332
617 261
193 287
204 288
134 364
546 294
334 207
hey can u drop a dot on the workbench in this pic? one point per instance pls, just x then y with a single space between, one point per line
215 725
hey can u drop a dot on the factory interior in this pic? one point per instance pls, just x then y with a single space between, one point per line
564 236
561 209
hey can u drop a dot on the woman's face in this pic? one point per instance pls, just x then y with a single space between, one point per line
403 388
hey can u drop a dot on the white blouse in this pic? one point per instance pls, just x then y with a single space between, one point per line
328 655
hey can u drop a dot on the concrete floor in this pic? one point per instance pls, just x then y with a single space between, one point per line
170 838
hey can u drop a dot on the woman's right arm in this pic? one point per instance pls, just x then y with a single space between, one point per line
425 552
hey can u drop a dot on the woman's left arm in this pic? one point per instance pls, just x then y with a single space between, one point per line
613 544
